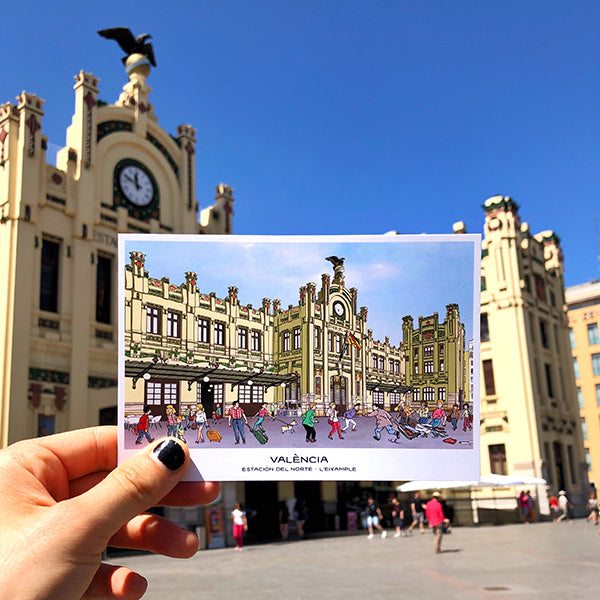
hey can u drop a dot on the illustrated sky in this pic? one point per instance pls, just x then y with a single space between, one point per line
352 117
407 275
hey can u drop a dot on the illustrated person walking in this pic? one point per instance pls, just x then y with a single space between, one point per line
200 418
237 418
240 524
382 421
374 517
349 417
142 427
435 515
308 422
261 414
171 422
333 420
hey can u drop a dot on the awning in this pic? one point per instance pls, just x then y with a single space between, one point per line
490 480
387 386
193 373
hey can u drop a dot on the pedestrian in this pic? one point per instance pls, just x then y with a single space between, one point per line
438 417
553 500
564 505
418 515
240 524
180 429
523 502
308 422
186 415
284 519
142 426
592 507
454 414
435 516
374 517
261 414
333 420
237 418
349 417
301 511
397 517
200 419
467 417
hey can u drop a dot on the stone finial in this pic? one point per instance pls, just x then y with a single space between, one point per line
137 261
191 278
459 227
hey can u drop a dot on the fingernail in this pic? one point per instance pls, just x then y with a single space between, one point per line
170 454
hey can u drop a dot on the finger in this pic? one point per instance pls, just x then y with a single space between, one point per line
156 534
185 493
81 452
134 486
115 583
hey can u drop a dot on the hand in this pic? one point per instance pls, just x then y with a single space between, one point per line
63 500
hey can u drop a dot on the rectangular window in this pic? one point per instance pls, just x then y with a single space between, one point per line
242 338
255 339
251 394
391 366
588 459
286 341
549 385
442 394
540 287
416 353
219 334
497 453
297 338
157 393
576 368
596 364
416 368
375 361
338 343
428 351
598 394
330 341
593 335
378 397
49 276
428 366
580 397
441 366
416 395
397 366
173 325
488 378
203 331
104 289
544 334
153 320
584 428
382 363
317 338
441 349
485 328
572 338
428 394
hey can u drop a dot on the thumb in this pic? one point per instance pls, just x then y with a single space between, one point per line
134 486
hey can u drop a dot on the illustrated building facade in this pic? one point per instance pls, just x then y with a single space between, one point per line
584 320
529 413
183 347
119 172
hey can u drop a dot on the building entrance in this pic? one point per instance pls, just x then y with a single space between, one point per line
338 390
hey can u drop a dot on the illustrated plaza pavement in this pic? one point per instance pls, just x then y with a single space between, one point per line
496 563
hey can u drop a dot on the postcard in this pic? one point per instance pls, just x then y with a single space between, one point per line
303 357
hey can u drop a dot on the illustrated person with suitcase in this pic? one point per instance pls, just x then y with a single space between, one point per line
237 418
200 418
261 414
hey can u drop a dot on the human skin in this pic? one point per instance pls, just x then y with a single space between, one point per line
63 500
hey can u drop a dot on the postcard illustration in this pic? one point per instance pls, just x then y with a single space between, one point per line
303 357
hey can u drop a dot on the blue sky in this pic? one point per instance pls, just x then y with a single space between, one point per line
395 276
352 117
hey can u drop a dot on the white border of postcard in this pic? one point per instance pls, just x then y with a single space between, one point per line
203 255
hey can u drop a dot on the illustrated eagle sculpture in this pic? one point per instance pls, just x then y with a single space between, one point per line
129 44
335 261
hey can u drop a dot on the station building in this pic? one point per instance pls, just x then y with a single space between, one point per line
118 172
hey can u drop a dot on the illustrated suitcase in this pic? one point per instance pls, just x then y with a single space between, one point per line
260 435
213 435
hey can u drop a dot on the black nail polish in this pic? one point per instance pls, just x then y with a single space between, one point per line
170 454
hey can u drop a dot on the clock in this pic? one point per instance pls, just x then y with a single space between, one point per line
338 309
136 185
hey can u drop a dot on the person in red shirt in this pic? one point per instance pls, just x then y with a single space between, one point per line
142 427
435 515
237 418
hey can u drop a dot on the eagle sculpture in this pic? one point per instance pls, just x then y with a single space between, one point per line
129 44
335 261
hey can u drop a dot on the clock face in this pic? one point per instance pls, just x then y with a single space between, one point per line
136 185
338 309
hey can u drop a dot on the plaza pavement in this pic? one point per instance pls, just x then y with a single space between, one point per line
556 561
